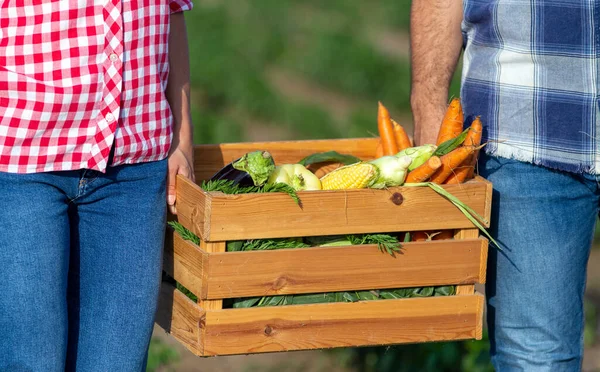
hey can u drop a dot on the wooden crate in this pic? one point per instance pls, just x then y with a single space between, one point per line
212 274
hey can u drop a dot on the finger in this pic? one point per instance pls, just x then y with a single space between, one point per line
187 172
171 192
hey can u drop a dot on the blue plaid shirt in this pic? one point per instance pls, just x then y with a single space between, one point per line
530 70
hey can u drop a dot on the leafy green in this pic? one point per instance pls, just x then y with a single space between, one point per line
329 156
271 244
230 187
185 233
451 144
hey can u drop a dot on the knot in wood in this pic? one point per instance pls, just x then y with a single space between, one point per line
397 198
280 283
268 330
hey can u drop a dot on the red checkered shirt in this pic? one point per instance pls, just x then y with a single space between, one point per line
77 76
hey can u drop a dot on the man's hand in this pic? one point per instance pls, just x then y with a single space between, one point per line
435 46
181 161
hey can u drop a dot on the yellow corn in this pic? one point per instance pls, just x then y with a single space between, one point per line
354 176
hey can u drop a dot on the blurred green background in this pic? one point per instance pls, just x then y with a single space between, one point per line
297 69
306 69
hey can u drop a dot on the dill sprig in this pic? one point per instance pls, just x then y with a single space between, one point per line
230 187
385 243
185 233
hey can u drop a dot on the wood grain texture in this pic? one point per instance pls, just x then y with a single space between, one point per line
220 217
331 269
209 159
461 235
180 317
193 207
480 310
215 247
185 262
386 322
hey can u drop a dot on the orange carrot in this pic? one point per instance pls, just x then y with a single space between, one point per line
477 128
379 151
466 169
419 236
424 171
450 162
402 139
474 134
386 131
460 174
452 124
444 235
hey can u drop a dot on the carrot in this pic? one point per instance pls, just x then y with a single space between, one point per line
402 139
450 162
386 131
443 235
424 171
466 169
460 174
419 236
452 124
379 151
477 127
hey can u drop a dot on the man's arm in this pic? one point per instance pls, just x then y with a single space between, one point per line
435 46
181 155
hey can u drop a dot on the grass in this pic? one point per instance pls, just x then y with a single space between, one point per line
161 355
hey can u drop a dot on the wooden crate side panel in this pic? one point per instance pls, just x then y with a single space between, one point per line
185 262
331 269
193 207
245 216
209 159
320 326
181 317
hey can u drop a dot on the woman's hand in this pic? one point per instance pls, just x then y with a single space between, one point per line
181 161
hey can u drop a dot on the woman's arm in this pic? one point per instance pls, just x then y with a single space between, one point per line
435 43
181 155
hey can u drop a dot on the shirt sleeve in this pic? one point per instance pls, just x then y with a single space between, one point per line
180 5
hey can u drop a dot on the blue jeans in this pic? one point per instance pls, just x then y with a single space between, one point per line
80 257
544 221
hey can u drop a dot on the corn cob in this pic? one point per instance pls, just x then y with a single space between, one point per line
353 176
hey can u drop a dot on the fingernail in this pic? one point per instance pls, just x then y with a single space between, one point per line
171 199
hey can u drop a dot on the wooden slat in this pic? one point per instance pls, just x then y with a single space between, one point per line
273 215
331 269
285 328
181 317
208 159
468 289
186 263
216 247
193 207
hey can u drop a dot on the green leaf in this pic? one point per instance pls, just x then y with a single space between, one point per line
389 295
244 303
422 292
329 156
234 245
368 295
448 290
451 144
